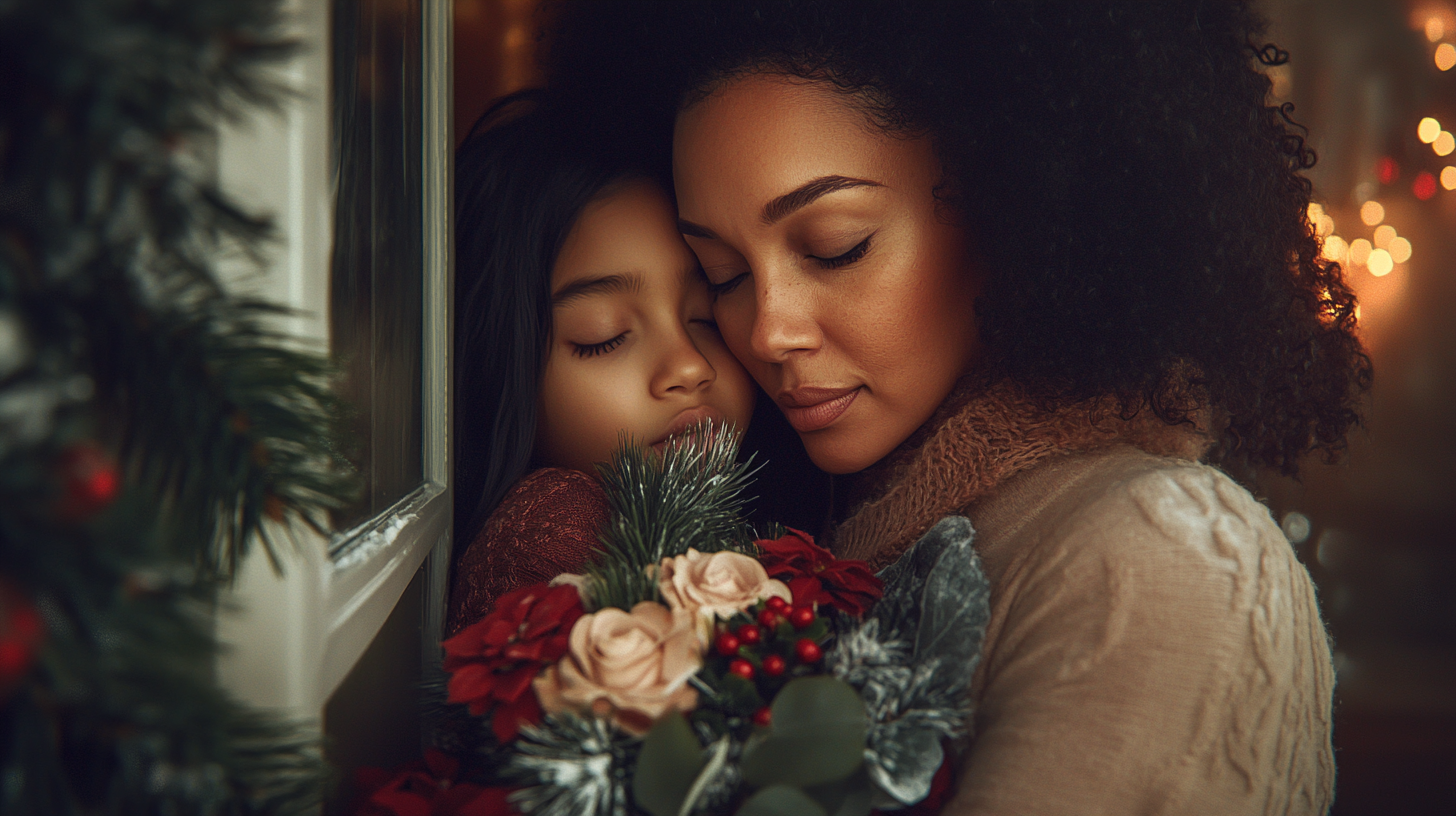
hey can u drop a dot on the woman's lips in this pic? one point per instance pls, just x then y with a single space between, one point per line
809 409
689 420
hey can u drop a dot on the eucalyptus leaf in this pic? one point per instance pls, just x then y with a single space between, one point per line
809 703
817 736
781 800
670 761
833 753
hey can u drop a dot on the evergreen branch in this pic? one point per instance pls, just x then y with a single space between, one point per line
688 496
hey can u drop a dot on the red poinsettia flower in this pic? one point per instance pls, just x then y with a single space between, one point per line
814 575
493 661
428 787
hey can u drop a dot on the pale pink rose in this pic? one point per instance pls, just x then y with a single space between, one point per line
715 585
630 667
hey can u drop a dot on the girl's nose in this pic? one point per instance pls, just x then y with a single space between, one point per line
683 369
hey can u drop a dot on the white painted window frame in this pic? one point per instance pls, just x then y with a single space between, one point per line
292 638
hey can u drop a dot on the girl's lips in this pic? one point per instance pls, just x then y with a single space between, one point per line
810 409
687 421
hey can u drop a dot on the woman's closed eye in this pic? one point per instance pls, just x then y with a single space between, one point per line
597 349
846 258
718 289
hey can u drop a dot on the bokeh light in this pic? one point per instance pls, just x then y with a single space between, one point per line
1384 234
1424 185
1387 170
1428 130
1400 249
1335 249
1372 212
1323 223
1360 250
1448 178
1445 56
1380 263
1435 28
1444 144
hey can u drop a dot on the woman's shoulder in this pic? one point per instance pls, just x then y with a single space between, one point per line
1127 507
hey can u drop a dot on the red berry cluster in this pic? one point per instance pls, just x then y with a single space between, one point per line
768 645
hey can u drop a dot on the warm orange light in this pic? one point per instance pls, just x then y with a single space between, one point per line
1360 250
1372 213
1384 234
1444 144
1445 56
1448 178
1428 130
1323 223
1335 249
1435 29
1400 250
1380 263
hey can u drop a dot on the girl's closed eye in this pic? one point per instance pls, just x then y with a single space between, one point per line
598 349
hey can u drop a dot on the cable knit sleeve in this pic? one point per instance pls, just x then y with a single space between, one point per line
1155 648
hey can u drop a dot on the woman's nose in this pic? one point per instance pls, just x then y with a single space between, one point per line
683 368
783 320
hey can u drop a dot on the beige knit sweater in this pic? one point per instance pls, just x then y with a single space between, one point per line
1154 646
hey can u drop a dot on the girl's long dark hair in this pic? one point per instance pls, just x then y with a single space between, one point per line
521 178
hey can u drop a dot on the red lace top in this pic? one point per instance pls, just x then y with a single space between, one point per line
545 526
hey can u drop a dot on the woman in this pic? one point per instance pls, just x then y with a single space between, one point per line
1029 262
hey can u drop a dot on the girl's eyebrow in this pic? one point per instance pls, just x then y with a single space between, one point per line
605 284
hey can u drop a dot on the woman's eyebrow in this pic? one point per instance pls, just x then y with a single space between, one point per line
605 284
807 193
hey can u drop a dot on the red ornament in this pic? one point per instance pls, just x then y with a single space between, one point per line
808 651
742 668
802 617
777 604
763 717
21 631
88 480
773 665
1424 186
727 644
768 619
748 634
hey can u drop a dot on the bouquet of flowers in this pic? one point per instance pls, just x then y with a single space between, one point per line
693 669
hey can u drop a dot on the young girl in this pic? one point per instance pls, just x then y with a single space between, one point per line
580 315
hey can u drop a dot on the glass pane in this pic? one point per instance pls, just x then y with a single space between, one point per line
376 281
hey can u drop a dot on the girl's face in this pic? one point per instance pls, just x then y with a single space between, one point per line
634 347
840 283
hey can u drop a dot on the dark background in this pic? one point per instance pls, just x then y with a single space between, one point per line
1375 529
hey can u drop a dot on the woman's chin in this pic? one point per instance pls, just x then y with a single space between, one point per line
832 450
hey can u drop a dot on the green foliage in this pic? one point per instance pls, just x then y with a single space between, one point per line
781 800
117 337
817 736
688 497
670 760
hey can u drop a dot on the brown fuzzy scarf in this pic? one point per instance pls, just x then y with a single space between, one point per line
978 442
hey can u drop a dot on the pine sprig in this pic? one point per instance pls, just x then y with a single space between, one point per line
118 336
688 496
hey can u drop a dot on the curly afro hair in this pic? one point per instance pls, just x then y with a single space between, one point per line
1138 201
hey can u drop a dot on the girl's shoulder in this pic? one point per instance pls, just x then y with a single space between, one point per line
545 526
